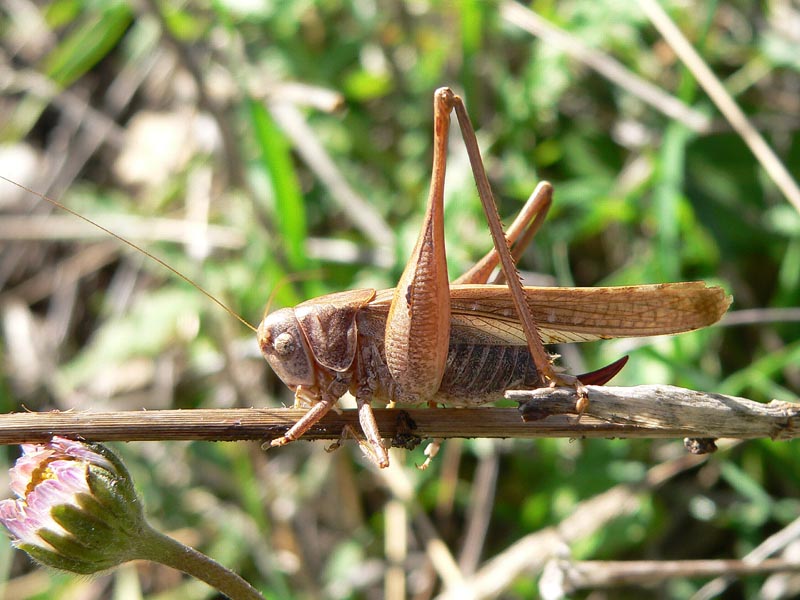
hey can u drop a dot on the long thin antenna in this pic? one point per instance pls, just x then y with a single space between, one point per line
286 280
149 255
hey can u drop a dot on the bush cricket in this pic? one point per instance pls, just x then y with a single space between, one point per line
465 343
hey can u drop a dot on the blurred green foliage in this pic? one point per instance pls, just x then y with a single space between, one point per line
640 198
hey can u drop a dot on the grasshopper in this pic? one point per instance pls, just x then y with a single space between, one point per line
461 344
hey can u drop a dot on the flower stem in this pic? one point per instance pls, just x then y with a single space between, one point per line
157 547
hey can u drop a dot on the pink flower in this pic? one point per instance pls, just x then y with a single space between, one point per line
46 475
77 510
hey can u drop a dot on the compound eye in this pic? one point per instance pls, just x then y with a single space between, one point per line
284 344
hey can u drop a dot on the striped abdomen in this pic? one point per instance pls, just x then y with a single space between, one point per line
477 373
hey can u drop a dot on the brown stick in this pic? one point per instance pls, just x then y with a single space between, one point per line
594 574
664 410
636 412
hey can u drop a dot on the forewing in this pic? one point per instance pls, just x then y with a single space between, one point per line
585 314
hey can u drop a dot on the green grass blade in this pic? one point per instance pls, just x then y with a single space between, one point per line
88 44
277 162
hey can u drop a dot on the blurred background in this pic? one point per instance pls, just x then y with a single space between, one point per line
243 141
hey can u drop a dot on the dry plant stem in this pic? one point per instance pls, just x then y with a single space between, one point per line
529 554
294 92
720 96
772 545
662 408
654 411
524 18
479 511
397 481
150 229
751 316
395 542
593 574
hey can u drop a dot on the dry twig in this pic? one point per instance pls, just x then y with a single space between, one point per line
608 67
650 411
668 411
723 100
529 554
568 577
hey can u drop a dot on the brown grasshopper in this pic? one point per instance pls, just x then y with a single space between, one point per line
465 343
462 344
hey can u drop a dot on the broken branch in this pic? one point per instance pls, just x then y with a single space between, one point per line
650 411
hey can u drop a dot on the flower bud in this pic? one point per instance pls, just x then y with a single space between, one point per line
76 508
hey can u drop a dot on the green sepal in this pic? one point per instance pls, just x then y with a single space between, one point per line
51 559
112 496
86 529
71 554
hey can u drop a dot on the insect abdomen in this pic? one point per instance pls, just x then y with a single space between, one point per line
477 374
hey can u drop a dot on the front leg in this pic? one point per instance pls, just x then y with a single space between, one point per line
322 404
372 446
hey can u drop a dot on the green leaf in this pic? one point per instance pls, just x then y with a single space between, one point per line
88 44
276 159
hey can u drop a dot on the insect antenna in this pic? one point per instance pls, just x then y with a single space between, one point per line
286 280
135 246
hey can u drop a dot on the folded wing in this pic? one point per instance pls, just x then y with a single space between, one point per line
585 314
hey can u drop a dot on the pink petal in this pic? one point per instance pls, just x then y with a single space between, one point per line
61 469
